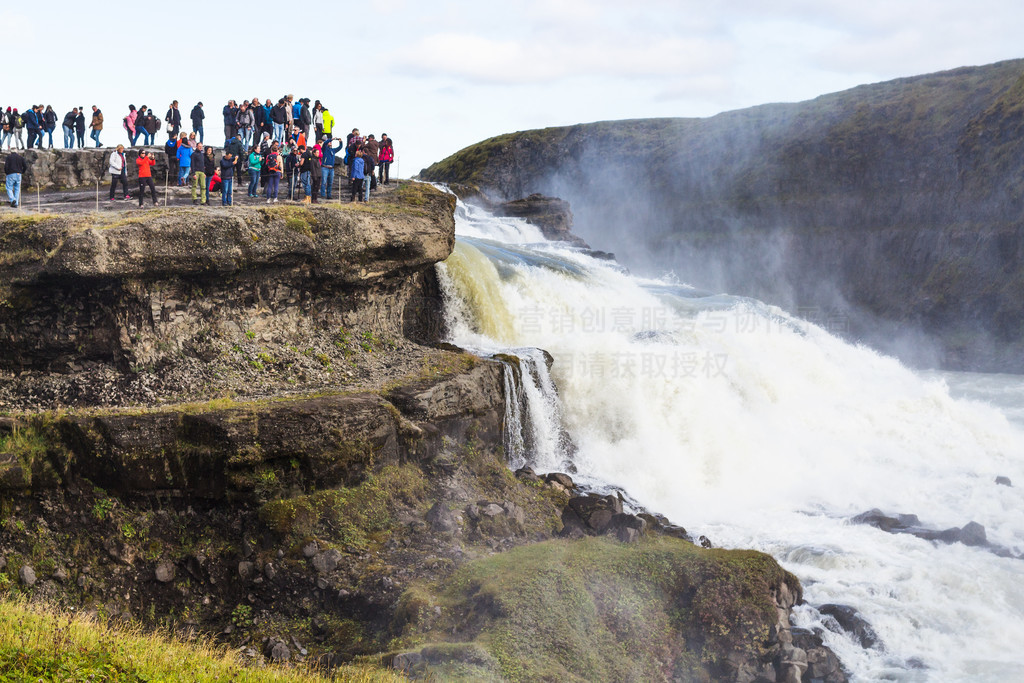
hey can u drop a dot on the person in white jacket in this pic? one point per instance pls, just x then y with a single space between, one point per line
118 172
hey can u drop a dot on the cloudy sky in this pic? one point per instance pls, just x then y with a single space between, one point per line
440 75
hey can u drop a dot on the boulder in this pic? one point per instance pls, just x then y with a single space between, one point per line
27 575
526 474
850 621
441 519
550 214
408 663
560 478
1003 481
327 561
880 520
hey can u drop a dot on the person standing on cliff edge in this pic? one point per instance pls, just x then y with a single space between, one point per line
197 117
96 125
14 168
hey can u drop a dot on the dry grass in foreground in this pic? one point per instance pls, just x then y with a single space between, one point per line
41 644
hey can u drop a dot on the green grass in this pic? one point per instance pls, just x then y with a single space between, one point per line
596 609
42 644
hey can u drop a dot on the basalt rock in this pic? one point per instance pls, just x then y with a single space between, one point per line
850 621
550 214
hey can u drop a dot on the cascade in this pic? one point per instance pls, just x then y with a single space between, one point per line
761 430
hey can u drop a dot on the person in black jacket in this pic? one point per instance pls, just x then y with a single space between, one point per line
68 124
209 166
197 117
80 127
14 168
49 123
173 117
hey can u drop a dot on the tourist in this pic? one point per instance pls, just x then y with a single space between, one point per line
273 166
245 121
145 164
118 167
173 119
197 115
328 120
129 124
216 184
230 113
151 127
368 178
279 119
311 176
210 168
291 168
352 143
7 119
171 152
318 120
34 130
227 176
80 127
49 124
184 157
14 168
68 125
199 175
356 175
96 125
17 129
259 119
385 157
304 173
255 164
327 164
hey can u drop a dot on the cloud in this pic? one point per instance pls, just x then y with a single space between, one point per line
483 60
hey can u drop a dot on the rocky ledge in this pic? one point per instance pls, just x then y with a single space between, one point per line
240 423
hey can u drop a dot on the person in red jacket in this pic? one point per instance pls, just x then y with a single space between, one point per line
386 155
145 165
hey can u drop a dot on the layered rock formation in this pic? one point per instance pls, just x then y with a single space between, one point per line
886 209
239 422
64 169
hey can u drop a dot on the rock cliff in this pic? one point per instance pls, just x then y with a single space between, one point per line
240 422
886 209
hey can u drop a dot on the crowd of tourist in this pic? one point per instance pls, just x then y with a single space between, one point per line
292 141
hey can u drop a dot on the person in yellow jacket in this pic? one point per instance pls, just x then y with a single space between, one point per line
328 122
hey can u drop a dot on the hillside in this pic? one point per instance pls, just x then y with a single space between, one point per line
889 212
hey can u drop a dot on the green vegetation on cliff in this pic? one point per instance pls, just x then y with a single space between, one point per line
595 609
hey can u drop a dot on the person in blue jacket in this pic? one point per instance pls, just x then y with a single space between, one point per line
357 177
227 176
184 156
328 162
31 119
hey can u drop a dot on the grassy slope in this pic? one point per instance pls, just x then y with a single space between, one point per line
39 644
596 609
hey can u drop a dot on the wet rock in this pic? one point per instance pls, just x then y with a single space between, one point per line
704 541
526 474
27 575
970 534
165 571
563 480
880 520
822 663
550 214
1003 481
850 621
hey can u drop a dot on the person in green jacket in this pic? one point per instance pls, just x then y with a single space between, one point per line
255 164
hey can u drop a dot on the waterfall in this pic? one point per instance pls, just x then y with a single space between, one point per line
760 430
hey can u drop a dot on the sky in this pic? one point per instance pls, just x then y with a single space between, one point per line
440 75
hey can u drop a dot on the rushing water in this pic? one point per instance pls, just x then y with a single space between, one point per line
761 430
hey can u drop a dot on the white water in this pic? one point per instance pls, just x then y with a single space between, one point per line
763 431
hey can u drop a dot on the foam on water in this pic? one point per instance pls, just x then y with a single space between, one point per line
762 430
